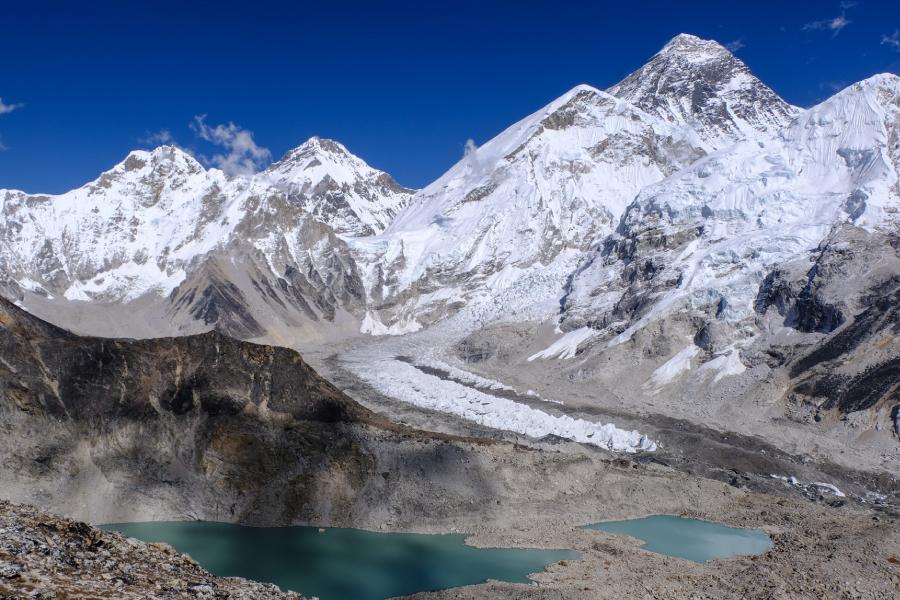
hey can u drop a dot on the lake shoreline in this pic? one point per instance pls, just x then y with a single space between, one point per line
343 563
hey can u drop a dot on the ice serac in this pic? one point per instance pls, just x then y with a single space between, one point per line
338 188
530 199
700 84
706 237
757 284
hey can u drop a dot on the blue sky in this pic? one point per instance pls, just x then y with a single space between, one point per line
402 84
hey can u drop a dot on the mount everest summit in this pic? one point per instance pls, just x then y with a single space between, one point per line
682 233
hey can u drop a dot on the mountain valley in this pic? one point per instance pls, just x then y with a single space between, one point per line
680 295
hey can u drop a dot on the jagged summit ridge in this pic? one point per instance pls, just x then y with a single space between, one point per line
337 187
693 132
695 49
152 222
701 85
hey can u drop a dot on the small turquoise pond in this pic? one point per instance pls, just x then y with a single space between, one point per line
339 564
692 539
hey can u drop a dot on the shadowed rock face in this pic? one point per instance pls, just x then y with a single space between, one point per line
848 296
237 423
212 299
827 376
63 375
700 82
203 426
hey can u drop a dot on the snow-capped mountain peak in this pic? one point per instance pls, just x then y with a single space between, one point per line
148 222
700 84
582 126
311 149
732 216
528 200
337 187
167 163
695 49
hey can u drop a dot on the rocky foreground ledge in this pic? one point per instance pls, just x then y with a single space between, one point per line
43 556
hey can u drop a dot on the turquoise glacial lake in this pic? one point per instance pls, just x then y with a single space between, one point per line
342 564
692 539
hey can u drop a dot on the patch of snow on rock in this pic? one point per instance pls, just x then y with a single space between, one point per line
723 365
567 345
673 367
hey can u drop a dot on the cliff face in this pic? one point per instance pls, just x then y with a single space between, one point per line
843 305
50 372
201 427
204 424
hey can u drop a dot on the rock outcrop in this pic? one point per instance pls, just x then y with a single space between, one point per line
205 424
205 427
45 556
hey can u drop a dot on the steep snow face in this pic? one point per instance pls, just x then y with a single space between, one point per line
337 187
850 145
132 229
561 178
706 237
555 181
699 84
159 221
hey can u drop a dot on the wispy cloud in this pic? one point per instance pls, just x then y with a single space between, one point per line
892 40
241 156
159 138
736 45
834 24
8 108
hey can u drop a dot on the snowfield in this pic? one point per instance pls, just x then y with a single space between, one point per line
404 382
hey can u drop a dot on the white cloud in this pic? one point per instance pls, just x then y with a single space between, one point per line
892 40
8 108
835 24
470 148
241 157
834 86
474 165
159 138
736 45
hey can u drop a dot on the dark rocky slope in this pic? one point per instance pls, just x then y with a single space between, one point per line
846 301
201 427
43 556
